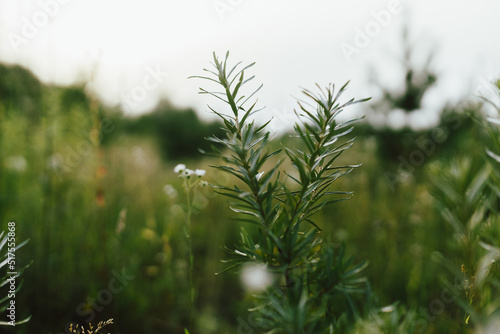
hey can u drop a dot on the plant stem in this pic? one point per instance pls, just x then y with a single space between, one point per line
187 233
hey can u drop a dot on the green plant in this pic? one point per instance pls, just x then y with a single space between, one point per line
190 180
390 319
467 194
317 288
461 196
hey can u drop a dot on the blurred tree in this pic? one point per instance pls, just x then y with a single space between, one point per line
74 96
180 133
407 148
21 91
20 97
415 83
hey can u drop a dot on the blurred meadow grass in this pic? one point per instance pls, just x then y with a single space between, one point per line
96 193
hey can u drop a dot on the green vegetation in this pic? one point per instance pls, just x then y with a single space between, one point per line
97 195
315 289
179 134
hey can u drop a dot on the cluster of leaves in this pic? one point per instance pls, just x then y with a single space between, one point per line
318 289
390 319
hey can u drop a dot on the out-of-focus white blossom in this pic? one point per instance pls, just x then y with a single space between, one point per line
16 163
170 191
120 226
492 325
55 161
256 277
388 309
139 156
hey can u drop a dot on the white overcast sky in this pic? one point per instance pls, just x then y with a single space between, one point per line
295 44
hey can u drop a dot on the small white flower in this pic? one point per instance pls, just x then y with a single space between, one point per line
200 172
179 168
204 183
186 173
258 176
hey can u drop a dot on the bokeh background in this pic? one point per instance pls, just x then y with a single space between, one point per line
96 109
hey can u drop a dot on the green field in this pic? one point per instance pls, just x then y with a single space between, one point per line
96 195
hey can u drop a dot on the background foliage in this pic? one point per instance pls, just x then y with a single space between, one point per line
86 185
